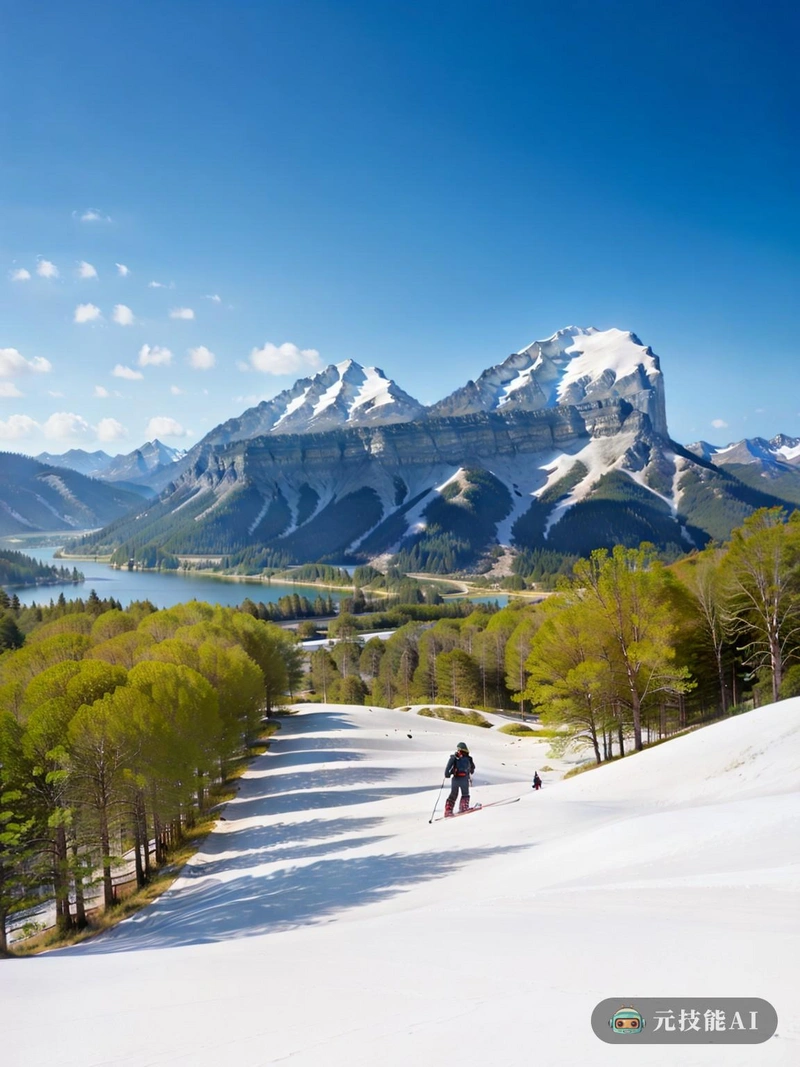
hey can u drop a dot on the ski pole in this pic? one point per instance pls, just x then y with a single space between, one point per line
441 787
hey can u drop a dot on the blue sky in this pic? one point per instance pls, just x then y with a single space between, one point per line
425 187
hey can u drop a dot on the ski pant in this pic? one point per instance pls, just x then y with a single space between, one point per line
462 784
459 783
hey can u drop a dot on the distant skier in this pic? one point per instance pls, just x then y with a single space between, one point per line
460 767
537 781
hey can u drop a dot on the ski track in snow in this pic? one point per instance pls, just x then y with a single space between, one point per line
326 921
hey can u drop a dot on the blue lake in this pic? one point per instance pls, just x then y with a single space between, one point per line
162 588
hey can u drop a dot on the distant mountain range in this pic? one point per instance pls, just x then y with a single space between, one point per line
773 466
142 467
560 448
38 497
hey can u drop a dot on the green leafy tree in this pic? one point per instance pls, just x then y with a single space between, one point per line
324 673
18 847
567 675
762 566
458 678
98 748
625 593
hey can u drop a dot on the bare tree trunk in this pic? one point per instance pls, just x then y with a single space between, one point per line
80 903
60 883
105 845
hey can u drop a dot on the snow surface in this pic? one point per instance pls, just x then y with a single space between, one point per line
326 922
790 452
596 352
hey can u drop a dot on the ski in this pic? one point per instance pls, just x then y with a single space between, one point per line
476 807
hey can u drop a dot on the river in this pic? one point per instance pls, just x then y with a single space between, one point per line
161 588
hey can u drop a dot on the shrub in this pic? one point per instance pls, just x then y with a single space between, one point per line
466 718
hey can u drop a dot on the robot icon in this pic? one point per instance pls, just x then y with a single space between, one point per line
627 1021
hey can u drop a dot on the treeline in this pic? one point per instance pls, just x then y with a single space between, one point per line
290 607
627 649
316 572
113 726
148 556
19 569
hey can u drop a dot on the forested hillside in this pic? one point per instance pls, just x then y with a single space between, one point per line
16 568
35 496
113 726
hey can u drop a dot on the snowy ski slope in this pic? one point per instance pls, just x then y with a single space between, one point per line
325 921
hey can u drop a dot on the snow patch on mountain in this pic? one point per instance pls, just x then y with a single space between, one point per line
601 456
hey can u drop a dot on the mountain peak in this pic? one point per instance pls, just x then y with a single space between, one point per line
575 365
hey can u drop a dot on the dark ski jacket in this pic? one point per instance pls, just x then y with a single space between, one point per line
459 766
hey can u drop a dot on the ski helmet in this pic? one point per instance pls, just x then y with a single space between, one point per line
461 747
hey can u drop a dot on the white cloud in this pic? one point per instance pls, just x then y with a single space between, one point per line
91 214
123 315
242 366
46 269
215 298
12 364
181 313
20 275
154 356
101 392
160 285
284 359
65 426
201 358
164 426
86 313
719 424
110 430
16 427
122 270
8 389
56 393
121 371
175 390
86 270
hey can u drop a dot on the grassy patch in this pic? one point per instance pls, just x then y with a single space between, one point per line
133 901
518 729
465 718
590 766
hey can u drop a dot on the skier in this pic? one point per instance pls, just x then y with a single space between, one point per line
537 781
460 767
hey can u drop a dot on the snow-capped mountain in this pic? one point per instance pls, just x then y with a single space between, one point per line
574 366
346 394
137 465
128 467
342 395
779 450
772 466
563 447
